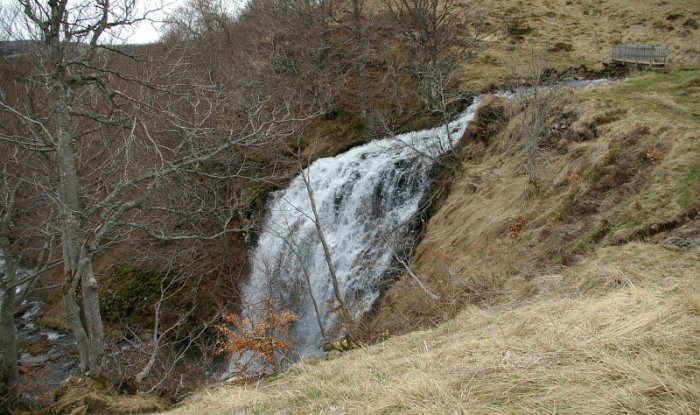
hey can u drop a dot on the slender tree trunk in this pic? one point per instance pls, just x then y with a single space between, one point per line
432 88
8 331
344 311
76 324
417 280
360 58
70 224
395 83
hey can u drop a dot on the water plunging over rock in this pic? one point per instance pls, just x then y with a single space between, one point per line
368 200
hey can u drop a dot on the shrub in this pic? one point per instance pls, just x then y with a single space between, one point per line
561 47
515 26
515 227
265 339
655 155
691 24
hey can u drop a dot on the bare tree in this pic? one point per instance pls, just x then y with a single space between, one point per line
535 105
171 287
34 239
66 69
174 330
122 131
441 34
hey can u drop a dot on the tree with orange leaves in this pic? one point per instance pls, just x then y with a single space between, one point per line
266 340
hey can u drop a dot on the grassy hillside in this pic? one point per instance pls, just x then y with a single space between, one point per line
574 297
571 33
579 295
617 333
618 163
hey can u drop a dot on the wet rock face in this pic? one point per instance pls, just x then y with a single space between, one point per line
488 117
684 237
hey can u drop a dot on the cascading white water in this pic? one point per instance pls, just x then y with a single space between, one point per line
368 200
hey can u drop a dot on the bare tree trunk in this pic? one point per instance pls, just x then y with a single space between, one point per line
8 331
76 324
417 280
432 86
14 287
360 58
93 318
86 322
344 311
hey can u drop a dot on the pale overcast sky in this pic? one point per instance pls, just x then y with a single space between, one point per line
148 32
145 32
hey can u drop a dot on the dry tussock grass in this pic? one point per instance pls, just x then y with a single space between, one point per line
80 395
588 29
470 254
585 344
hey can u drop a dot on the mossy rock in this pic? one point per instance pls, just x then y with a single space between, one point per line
130 293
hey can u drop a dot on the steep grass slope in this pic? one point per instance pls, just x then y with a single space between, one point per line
576 296
617 333
617 163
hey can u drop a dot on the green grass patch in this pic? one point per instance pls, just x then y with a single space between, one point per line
267 380
588 240
687 190
672 95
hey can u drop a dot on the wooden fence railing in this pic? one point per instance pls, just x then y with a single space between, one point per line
655 55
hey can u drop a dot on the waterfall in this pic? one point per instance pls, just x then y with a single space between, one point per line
368 201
